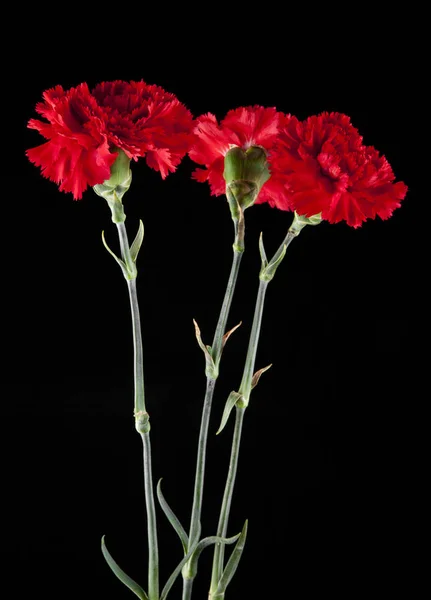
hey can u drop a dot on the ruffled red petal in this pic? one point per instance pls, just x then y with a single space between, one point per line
253 126
84 131
327 169
210 142
143 118
71 165
243 127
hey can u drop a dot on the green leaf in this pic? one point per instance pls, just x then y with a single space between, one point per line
173 520
128 581
176 572
119 261
256 376
233 562
137 242
230 403
211 369
268 272
262 252
214 539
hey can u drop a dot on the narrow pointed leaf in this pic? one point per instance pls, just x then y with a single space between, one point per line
262 251
230 403
270 269
256 376
199 338
137 242
128 581
210 366
214 539
119 261
173 520
233 562
229 333
170 582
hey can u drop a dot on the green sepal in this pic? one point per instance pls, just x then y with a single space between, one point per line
256 376
211 369
172 518
137 242
268 272
122 576
232 563
235 208
234 164
244 192
119 261
114 188
300 221
176 572
245 172
233 398
214 539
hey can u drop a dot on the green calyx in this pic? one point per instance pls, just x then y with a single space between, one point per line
300 221
245 172
114 188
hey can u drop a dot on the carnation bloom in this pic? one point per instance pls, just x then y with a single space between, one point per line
243 127
77 153
85 130
326 169
144 120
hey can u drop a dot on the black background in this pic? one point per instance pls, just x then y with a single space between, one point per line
328 466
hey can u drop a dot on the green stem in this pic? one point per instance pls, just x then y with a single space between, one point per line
187 588
138 351
142 418
245 389
221 325
200 464
216 350
153 553
290 235
227 498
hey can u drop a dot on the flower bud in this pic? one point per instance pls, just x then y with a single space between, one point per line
245 172
114 188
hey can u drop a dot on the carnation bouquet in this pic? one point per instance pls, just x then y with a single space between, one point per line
309 173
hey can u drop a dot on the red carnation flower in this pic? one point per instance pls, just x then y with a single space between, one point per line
243 127
77 153
85 129
326 169
144 120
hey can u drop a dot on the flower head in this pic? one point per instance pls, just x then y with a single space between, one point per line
144 120
77 152
85 130
327 169
245 127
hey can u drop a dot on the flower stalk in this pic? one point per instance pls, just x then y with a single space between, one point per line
113 190
242 397
142 423
216 350
227 499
